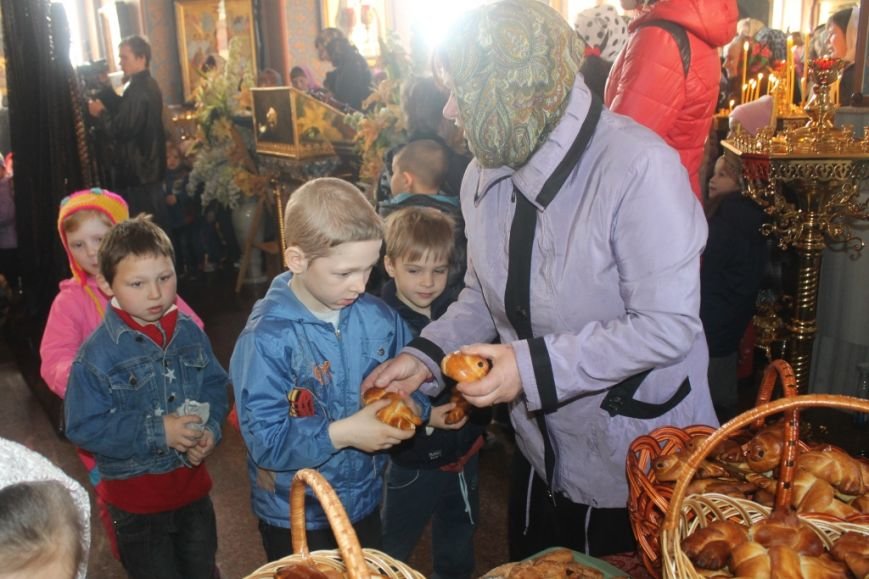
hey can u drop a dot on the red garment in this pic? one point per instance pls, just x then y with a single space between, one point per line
167 322
158 493
648 82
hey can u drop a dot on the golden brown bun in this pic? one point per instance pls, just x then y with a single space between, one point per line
861 504
852 549
398 414
464 367
462 408
710 547
814 495
754 560
763 452
786 530
836 467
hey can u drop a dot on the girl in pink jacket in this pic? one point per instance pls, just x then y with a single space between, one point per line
83 220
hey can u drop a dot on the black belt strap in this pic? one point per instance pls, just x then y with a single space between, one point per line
620 399
517 295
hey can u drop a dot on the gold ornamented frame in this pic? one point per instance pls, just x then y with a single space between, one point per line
201 34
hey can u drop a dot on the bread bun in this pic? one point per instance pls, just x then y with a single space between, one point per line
398 414
461 409
464 367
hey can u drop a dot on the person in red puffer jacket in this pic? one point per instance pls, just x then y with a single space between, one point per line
667 79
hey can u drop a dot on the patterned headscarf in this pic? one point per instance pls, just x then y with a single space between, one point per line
602 29
511 66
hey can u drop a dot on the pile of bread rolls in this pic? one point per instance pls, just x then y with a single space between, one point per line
828 480
779 546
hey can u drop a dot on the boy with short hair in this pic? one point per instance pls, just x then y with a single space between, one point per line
418 172
436 473
298 365
147 397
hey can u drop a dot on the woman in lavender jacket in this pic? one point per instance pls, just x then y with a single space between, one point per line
584 242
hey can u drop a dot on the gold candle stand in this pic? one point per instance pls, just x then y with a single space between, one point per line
806 179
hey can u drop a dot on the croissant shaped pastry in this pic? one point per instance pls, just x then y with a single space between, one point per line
464 367
710 547
460 410
815 495
836 467
752 559
398 414
852 549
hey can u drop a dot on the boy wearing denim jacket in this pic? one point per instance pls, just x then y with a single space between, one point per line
147 397
299 363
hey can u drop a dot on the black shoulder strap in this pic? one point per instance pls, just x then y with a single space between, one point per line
517 294
680 35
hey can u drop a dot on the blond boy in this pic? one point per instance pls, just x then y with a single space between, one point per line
298 365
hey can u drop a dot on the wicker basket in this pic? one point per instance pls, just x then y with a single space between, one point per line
349 558
687 514
648 498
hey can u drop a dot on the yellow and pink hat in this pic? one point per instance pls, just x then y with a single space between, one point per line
104 201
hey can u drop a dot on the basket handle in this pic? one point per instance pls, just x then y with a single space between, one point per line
775 369
783 404
348 542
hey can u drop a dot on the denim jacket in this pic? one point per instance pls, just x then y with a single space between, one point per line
121 386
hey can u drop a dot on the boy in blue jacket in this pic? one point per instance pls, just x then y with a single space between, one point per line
147 397
298 365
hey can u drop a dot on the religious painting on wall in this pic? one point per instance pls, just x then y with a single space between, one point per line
362 22
205 29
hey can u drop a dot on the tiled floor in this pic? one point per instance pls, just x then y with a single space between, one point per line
23 419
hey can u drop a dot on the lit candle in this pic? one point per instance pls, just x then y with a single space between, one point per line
744 92
804 88
752 84
732 104
744 64
759 83
789 71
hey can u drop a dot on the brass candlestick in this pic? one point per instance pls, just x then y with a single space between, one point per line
806 180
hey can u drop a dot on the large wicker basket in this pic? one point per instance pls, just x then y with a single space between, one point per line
687 514
649 498
349 558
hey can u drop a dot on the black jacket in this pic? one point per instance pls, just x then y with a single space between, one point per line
731 272
134 123
441 447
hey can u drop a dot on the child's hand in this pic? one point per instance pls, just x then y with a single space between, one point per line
439 414
171 199
203 448
364 431
178 433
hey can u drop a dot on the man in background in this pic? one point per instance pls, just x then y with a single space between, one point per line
134 124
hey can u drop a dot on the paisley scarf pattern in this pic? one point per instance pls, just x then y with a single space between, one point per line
511 66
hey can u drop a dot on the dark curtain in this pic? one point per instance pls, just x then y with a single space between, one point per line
51 159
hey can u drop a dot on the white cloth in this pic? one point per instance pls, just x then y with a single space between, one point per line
19 464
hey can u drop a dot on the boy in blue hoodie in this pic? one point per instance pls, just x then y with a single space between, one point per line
298 365
434 475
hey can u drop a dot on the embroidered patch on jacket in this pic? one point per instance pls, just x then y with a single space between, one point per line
301 403
323 372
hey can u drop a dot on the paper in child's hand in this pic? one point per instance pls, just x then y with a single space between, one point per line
195 408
